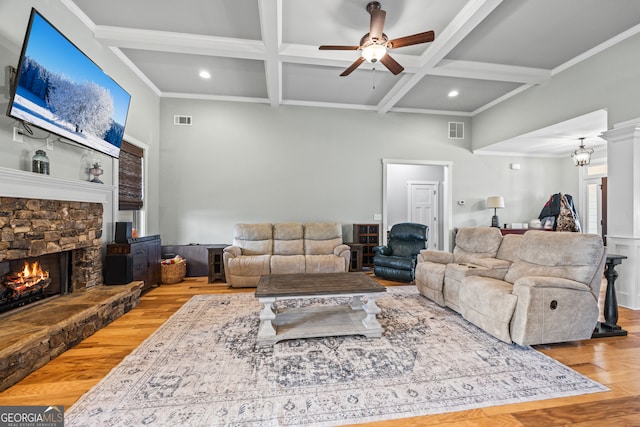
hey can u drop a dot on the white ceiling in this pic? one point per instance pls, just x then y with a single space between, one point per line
266 51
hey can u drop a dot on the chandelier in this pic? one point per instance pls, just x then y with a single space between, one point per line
582 156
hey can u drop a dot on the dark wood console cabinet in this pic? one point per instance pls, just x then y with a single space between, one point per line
145 253
369 236
196 255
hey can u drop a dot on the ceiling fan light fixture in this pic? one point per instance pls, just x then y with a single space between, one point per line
374 52
374 45
582 156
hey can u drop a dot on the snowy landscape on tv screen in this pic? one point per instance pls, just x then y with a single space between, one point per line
61 90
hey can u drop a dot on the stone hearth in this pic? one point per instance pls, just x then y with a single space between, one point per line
32 337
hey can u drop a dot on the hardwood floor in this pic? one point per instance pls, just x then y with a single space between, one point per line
610 361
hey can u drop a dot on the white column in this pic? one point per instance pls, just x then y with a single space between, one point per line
623 208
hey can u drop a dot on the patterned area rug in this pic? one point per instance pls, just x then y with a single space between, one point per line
202 367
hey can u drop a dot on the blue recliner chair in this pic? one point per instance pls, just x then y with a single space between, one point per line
397 260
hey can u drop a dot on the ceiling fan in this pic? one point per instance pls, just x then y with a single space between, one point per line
375 43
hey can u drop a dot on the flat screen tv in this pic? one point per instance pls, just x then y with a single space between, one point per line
59 89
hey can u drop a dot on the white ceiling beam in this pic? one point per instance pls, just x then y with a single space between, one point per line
305 54
311 55
274 53
115 49
79 14
164 41
597 49
487 71
271 26
464 22
142 76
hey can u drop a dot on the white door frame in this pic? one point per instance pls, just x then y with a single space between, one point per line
446 218
585 178
433 231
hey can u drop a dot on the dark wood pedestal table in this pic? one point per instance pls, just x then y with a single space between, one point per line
216 263
318 320
610 328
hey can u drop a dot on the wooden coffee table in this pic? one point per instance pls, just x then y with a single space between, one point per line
322 320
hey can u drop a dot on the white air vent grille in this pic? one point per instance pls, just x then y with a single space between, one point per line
182 120
456 130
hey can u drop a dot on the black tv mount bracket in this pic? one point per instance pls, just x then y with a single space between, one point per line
9 80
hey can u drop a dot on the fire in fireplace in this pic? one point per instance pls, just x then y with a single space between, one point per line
29 280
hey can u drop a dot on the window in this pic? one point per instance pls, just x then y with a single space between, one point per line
130 177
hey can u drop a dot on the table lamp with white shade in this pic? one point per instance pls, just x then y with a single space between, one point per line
495 202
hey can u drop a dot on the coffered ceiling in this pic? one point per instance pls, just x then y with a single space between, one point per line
266 51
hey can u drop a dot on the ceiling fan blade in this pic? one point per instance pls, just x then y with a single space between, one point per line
352 67
391 64
377 23
330 47
425 37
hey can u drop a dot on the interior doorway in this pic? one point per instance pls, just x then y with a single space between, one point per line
594 199
398 175
423 207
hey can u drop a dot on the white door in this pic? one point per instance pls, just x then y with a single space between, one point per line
592 215
423 208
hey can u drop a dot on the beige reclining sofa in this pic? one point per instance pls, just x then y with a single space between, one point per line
537 288
286 248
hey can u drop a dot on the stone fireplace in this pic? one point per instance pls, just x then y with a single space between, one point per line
60 223
31 228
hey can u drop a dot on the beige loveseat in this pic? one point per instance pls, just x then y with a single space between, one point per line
541 287
286 248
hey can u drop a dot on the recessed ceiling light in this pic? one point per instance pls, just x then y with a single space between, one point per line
205 74
453 93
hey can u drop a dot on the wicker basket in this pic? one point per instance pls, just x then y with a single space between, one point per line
173 273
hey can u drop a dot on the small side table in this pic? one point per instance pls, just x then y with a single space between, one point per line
356 256
216 265
610 328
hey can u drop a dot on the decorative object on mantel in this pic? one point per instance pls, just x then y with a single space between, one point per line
96 171
202 367
40 163
495 202
582 156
